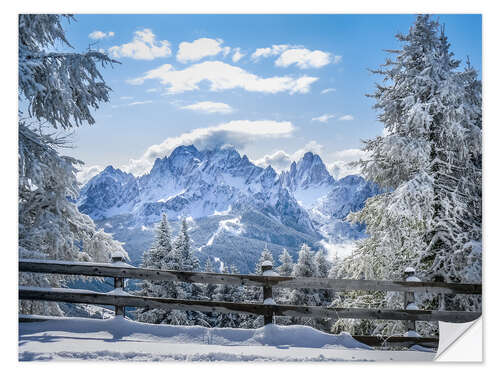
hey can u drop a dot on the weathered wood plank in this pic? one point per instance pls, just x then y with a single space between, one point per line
397 341
77 296
103 270
31 319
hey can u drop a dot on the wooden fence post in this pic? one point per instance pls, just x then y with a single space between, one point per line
409 299
267 270
119 282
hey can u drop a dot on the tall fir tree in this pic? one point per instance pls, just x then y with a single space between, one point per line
282 294
162 257
57 90
428 160
209 288
286 263
188 261
305 267
266 255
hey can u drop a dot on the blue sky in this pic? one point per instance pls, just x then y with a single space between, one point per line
274 86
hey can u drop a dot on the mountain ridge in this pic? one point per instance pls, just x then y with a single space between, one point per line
229 201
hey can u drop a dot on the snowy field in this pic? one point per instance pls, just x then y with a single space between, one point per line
125 340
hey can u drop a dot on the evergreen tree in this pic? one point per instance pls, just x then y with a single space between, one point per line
286 266
429 163
229 293
188 261
209 288
266 255
162 257
56 91
186 258
323 265
305 267
283 294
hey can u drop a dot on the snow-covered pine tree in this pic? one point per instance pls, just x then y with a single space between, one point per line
186 258
282 295
229 293
160 256
323 267
305 267
209 289
188 261
56 91
286 263
429 161
266 255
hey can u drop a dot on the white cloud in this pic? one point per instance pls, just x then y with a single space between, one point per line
237 55
235 133
209 107
346 118
101 35
281 160
200 48
131 104
341 167
298 55
140 103
303 58
340 250
126 97
226 51
337 163
152 90
87 172
143 46
222 76
269 51
325 91
323 118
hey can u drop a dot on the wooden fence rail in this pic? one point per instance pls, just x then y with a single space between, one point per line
79 296
109 270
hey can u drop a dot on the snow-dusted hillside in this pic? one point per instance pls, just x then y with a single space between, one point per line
235 208
125 340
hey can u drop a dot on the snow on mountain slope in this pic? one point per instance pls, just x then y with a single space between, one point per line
236 207
122 339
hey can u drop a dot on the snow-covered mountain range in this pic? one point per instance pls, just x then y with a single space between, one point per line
234 207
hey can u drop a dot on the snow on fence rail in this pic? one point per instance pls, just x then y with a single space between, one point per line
120 270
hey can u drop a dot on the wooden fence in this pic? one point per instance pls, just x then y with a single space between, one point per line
119 271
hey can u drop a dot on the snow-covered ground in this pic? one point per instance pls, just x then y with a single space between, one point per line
123 339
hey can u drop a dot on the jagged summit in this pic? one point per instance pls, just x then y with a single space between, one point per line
307 172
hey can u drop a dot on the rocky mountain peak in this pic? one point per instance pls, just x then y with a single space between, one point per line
310 171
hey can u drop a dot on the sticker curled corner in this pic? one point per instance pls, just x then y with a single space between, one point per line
460 342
